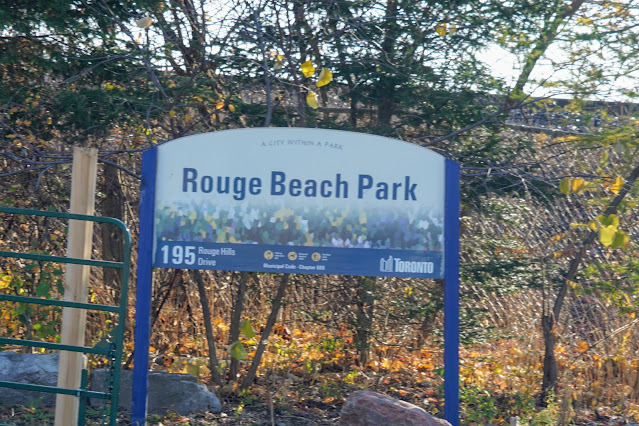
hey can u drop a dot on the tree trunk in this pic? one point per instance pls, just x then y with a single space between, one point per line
385 90
549 319
548 35
550 380
214 364
112 245
277 302
364 318
236 319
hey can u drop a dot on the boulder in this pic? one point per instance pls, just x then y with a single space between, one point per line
365 408
34 369
179 392
166 391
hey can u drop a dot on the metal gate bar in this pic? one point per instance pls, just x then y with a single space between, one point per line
110 346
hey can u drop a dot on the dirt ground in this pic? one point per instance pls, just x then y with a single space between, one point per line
255 413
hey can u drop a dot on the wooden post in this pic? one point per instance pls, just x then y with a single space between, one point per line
76 287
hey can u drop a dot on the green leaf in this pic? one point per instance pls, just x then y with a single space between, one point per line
237 351
611 220
43 289
621 239
564 185
247 329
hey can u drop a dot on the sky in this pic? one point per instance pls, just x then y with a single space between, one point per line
504 64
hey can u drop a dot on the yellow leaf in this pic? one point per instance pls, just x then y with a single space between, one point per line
607 235
307 69
278 63
325 77
453 29
583 347
232 108
616 185
441 29
172 113
109 86
311 100
5 281
144 22
576 184
223 327
219 105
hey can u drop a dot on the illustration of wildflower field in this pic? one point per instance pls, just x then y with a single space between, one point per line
323 226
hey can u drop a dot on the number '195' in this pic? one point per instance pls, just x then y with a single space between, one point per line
178 255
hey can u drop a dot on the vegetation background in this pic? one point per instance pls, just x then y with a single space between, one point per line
549 216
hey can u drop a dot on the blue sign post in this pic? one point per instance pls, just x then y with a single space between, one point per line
299 200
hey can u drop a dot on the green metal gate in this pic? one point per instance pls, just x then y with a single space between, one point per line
110 347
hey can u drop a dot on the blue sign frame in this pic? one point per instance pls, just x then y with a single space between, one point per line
162 248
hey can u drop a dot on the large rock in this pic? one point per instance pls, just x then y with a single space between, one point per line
34 369
166 391
179 392
365 408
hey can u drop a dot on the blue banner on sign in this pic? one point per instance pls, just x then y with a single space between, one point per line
298 259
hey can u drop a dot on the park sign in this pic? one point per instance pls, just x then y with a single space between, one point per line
300 201
297 200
